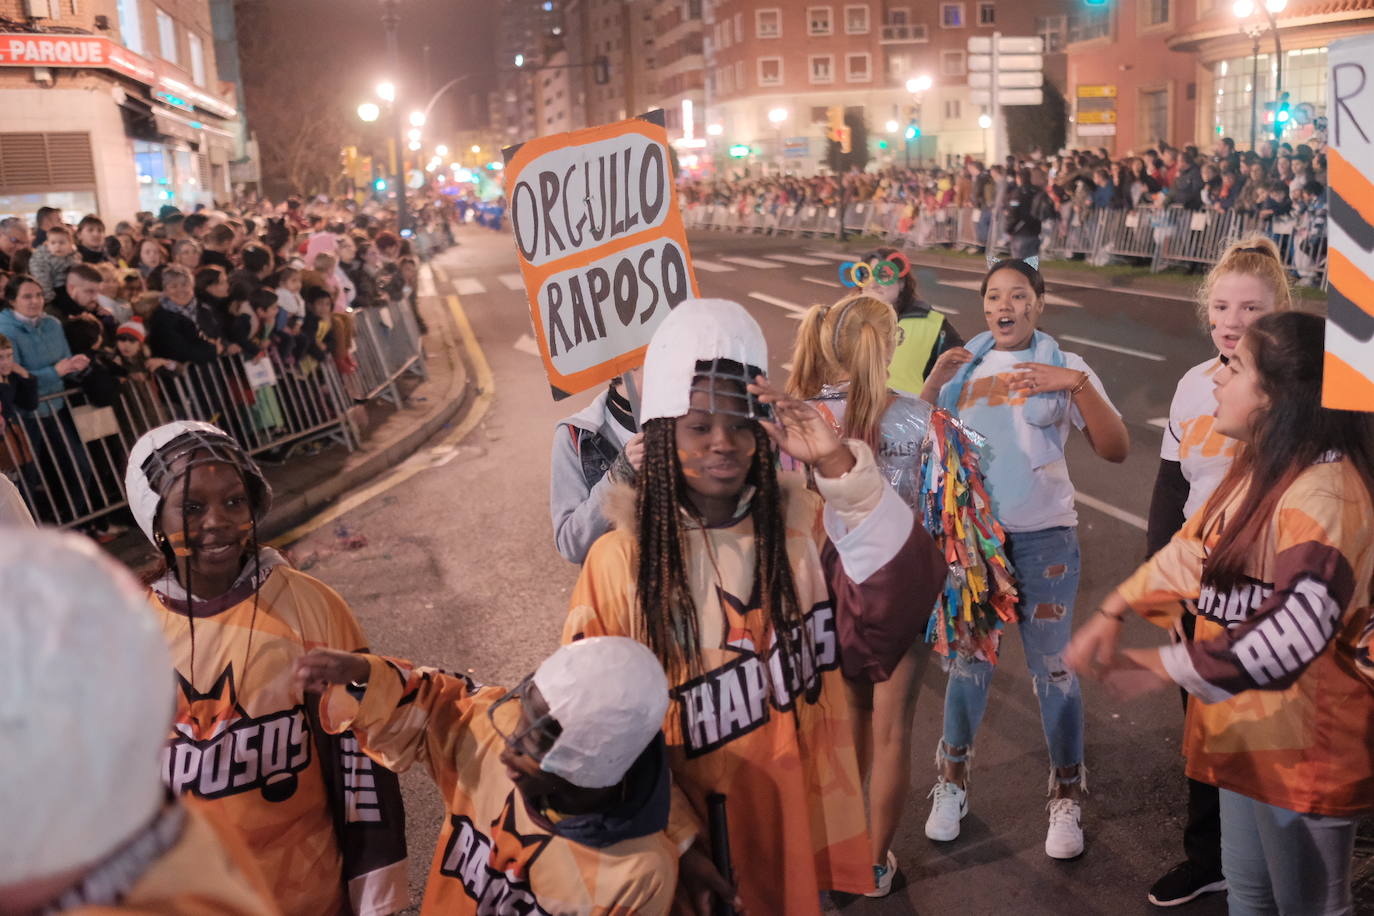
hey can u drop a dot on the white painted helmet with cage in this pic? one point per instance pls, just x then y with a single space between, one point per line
702 331
164 455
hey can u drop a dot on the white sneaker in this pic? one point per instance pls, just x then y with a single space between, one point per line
948 809
882 877
1064 839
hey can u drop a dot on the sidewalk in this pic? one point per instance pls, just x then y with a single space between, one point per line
302 486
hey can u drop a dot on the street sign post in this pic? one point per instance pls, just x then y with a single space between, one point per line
601 245
1005 70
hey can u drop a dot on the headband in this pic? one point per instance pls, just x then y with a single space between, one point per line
839 323
886 272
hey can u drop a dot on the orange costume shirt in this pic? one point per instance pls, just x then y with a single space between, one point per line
243 743
493 856
181 864
779 745
1281 707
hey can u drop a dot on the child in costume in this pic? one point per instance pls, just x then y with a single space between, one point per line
556 793
752 598
236 617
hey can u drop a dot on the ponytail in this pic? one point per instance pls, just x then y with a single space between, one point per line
1256 256
809 363
849 339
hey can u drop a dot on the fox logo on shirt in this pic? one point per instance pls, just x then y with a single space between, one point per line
220 750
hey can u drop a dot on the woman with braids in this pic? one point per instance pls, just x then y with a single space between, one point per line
925 333
840 363
755 601
1278 567
1247 283
1018 389
244 742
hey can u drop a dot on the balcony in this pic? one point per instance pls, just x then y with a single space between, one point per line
905 34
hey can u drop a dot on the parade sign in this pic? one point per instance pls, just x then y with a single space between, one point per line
1348 379
601 244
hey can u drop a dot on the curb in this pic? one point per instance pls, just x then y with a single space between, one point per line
298 507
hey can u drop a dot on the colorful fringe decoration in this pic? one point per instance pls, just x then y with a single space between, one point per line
980 593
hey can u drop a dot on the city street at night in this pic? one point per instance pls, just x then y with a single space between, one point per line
460 572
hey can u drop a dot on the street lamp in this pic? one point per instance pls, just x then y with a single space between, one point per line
386 91
476 150
915 85
417 119
413 135
892 127
715 130
776 116
985 121
918 84
1243 10
369 111
441 150
391 18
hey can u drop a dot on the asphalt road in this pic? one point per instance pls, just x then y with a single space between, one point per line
459 570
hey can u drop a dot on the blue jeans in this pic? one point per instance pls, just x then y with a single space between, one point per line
1047 565
1281 863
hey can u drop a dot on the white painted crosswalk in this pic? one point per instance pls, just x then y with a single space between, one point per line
794 311
832 255
468 286
711 267
755 263
512 281
799 259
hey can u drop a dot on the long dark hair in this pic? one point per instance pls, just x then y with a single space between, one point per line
667 612
906 296
1293 433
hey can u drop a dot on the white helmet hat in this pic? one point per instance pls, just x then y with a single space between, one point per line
86 700
609 695
699 330
151 472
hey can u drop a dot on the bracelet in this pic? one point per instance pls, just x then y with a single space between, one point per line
1082 383
1117 617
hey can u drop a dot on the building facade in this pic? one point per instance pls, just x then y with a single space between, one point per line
1192 71
112 107
795 60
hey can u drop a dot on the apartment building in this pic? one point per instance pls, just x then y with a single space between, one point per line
112 106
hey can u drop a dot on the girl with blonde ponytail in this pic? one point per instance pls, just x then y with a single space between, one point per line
840 363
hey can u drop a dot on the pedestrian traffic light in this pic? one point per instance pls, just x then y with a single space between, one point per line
846 138
913 130
834 116
882 144
739 151
1096 2
379 184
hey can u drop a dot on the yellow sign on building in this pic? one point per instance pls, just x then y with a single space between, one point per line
1097 117
1097 92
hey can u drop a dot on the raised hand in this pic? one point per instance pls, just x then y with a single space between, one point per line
320 669
799 430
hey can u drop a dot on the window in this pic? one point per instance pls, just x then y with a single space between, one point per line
770 71
1051 30
898 65
739 27
197 58
822 68
951 15
951 63
987 13
1154 114
818 20
739 75
898 15
130 26
856 20
1087 23
953 110
167 37
858 68
768 23
1157 12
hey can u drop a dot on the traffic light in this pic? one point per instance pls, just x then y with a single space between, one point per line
739 151
379 184
834 116
1096 2
913 130
846 138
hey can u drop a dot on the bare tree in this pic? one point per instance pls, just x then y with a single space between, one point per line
292 100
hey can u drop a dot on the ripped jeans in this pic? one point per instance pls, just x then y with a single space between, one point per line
1047 565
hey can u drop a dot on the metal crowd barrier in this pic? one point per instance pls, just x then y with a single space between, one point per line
1165 237
68 455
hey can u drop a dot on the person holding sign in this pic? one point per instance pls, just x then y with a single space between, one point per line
746 586
1277 567
592 449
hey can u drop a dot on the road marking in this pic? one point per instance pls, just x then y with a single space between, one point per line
794 311
436 455
512 281
1050 298
820 282
468 286
832 255
711 267
1113 347
426 285
751 262
797 259
946 311
1125 290
1120 515
527 344
1161 422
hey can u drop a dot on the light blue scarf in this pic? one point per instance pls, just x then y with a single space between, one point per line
1042 411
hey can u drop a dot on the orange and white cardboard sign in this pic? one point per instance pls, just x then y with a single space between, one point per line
1348 378
601 244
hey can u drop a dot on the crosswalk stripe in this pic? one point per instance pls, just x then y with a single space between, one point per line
711 267
797 259
1089 342
469 286
819 282
832 255
794 311
512 281
751 262
1161 422
527 344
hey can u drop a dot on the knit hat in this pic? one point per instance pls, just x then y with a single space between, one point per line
132 328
